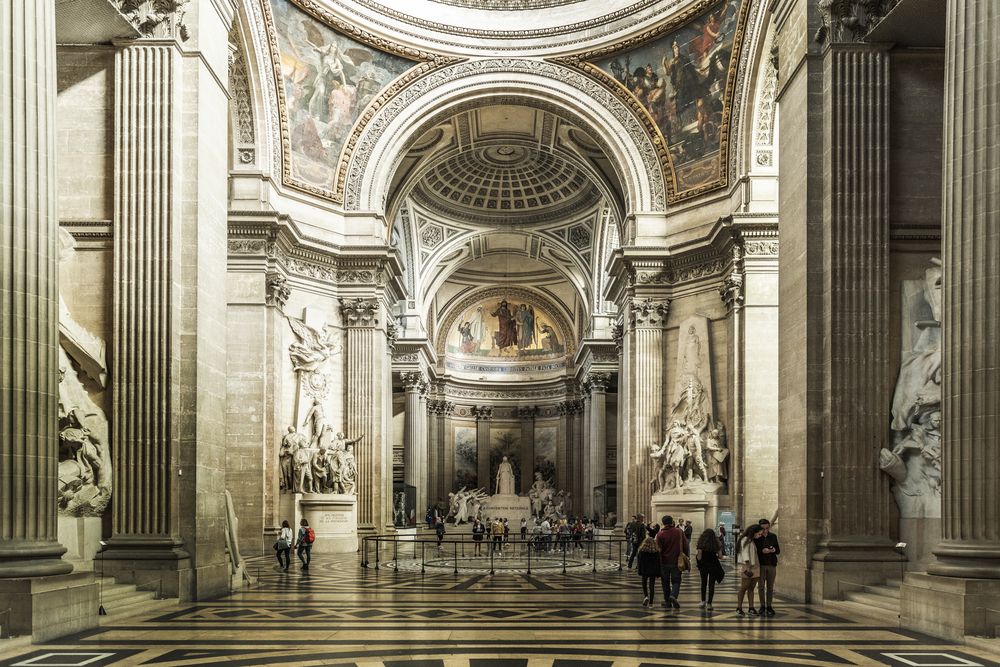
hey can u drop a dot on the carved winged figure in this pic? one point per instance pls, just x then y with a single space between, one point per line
313 347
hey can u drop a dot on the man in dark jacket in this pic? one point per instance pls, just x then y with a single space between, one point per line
672 543
767 555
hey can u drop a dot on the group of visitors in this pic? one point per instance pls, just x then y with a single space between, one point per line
664 552
302 544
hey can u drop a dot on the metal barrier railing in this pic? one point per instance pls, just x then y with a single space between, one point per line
539 547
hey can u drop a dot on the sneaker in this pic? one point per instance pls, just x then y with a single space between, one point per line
762 610
753 612
674 603
645 602
702 604
770 611
740 612
708 606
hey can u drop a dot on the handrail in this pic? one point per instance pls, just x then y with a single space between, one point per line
534 543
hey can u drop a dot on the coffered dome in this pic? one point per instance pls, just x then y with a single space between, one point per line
505 179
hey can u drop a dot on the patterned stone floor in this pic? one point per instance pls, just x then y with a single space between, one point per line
341 614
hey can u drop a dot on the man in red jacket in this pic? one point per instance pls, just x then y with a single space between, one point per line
673 543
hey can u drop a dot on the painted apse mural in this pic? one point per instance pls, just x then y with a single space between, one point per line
328 79
506 337
682 79
466 458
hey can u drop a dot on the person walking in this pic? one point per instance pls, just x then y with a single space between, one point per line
524 529
439 529
688 530
635 533
748 566
283 546
649 569
304 544
675 552
709 567
722 540
767 554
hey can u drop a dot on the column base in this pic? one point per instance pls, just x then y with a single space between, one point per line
24 559
950 607
151 563
973 560
838 566
50 607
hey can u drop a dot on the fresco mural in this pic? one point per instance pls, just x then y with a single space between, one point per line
681 78
505 442
497 327
466 458
545 453
328 80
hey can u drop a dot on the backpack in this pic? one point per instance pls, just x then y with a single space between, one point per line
310 535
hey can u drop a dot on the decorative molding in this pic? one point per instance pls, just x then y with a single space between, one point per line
405 357
391 336
528 412
240 101
620 109
583 62
359 312
648 313
681 274
505 394
618 335
759 248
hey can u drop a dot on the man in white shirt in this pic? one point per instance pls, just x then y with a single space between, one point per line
547 534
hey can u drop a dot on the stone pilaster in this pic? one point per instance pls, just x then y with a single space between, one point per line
415 438
483 414
447 454
435 467
564 438
856 497
643 354
29 294
527 417
598 382
365 365
964 582
586 453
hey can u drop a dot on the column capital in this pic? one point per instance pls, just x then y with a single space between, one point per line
527 412
649 313
598 380
482 412
156 19
618 335
359 312
413 380
849 21
276 291
731 290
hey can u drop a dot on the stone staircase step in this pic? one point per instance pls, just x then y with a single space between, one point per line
852 610
128 607
885 591
116 592
874 600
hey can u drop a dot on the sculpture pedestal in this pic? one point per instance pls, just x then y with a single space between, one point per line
700 509
334 518
81 535
512 508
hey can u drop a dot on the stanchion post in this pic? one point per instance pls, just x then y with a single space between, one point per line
529 559
456 556
422 558
377 554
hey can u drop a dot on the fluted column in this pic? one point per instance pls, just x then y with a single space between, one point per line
527 416
435 467
447 455
970 386
586 452
29 294
415 439
856 217
564 462
643 353
483 414
598 382
364 358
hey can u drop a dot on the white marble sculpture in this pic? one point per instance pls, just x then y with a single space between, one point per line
290 443
312 348
914 459
327 468
505 479
693 456
464 504
540 494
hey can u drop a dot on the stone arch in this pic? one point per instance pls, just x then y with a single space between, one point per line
591 105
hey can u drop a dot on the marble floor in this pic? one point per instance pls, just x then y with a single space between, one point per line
341 614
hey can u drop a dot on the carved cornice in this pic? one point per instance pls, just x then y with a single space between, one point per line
649 314
359 312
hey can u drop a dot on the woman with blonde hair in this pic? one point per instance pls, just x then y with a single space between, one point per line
748 566
649 569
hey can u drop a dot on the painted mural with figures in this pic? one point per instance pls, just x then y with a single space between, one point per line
681 80
328 79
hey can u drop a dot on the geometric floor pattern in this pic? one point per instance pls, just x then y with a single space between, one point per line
342 614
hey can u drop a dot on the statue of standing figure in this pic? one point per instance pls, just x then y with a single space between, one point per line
291 443
505 479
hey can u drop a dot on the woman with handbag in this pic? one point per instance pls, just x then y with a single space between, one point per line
283 547
707 557
748 566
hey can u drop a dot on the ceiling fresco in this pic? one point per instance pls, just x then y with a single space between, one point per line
681 78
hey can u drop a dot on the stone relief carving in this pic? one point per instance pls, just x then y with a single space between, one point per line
85 469
693 457
276 290
312 348
464 504
156 18
914 460
316 466
241 101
